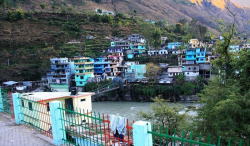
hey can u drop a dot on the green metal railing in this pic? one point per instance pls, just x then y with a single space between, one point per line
6 102
81 128
163 139
36 114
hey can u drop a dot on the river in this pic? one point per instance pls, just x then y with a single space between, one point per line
129 109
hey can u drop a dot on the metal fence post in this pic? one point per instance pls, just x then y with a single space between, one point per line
17 109
58 127
141 136
1 101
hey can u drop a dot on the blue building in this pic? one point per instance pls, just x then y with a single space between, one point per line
59 74
99 65
138 48
190 54
174 45
84 69
200 55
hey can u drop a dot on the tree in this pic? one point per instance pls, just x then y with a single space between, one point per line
147 29
119 23
42 5
226 97
187 88
164 115
157 38
120 15
179 28
135 12
127 24
152 71
180 79
99 11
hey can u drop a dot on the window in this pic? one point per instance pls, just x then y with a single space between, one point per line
194 68
77 76
187 73
30 106
22 103
189 68
82 77
80 82
83 99
48 108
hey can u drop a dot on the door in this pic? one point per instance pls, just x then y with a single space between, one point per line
69 104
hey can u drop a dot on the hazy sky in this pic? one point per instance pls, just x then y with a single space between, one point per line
242 2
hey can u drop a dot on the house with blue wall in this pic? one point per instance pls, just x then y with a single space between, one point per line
174 45
190 56
59 74
138 48
84 69
99 65
200 55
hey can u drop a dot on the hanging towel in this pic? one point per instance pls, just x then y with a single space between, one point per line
114 120
121 127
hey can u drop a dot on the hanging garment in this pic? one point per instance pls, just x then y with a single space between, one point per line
114 120
121 127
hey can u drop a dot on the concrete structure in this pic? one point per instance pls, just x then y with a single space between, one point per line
116 49
136 38
194 43
82 100
191 71
84 69
174 70
116 66
174 45
163 52
190 56
139 69
235 48
205 70
200 55
125 45
99 65
59 74
140 134
58 129
138 48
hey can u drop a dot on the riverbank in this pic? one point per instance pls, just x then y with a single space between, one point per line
129 109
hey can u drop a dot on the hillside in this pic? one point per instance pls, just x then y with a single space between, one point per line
206 11
27 45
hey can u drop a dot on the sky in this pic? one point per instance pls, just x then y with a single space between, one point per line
243 3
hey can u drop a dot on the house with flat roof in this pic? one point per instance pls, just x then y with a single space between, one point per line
59 74
36 105
84 69
174 71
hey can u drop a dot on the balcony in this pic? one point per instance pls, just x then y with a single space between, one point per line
84 73
190 57
198 55
83 62
200 60
59 63
190 53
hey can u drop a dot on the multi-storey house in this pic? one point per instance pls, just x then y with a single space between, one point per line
59 74
84 69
